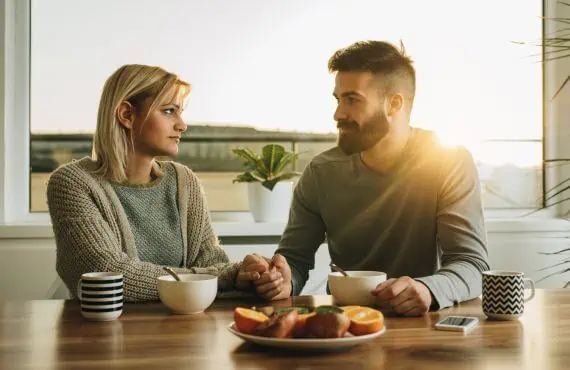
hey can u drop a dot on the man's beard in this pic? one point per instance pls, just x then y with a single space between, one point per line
356 139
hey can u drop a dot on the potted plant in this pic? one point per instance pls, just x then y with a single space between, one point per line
268 176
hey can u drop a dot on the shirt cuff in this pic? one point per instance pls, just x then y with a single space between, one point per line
294 287
297 282
439 300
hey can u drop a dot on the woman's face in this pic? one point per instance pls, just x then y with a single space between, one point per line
159 134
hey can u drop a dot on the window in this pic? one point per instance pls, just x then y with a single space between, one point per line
258 70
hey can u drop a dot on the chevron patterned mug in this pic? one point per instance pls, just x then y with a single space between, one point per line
503 294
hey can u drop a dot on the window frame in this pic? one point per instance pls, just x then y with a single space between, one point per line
15 102
15 143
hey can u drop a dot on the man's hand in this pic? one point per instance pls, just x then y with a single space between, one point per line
252 268
275 284
404 295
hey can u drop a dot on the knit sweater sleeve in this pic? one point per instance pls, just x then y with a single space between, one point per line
205 253
87 240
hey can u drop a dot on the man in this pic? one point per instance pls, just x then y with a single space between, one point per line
389 197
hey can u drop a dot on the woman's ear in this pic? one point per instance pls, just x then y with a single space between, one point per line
126 115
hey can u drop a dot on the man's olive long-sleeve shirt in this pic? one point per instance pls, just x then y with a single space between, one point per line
422 219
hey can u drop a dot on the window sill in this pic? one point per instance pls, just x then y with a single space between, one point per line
224 228
239 227
527 225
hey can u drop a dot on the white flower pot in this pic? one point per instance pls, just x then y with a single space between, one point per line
270 206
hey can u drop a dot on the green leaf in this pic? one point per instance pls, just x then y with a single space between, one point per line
259 165
553 274
563 262
258 176
300 309
328 309
269 184
245 177
552 196
244 154
272 155
556 58
252 161
557 252
561 87
288 158
287 176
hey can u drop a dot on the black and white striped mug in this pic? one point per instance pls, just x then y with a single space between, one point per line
101 295
503 294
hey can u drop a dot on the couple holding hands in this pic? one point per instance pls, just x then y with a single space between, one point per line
387 198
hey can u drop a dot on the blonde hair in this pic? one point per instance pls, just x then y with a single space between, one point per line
133 83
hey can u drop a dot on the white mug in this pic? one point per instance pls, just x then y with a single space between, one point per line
101 295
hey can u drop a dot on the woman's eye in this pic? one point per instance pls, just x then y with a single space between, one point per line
169 111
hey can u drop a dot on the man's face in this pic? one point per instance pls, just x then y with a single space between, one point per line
360 115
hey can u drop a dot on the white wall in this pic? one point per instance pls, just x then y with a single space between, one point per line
27 265
27 268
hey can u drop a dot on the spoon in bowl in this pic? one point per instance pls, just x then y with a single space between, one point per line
337 269
171 273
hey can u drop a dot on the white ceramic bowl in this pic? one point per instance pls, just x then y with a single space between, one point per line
356 288
193 294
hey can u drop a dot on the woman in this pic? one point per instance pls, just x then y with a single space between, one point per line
125 211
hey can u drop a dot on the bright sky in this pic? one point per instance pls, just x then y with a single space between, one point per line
262 63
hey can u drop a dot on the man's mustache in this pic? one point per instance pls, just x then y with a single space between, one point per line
347 125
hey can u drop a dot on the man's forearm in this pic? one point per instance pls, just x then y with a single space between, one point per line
456 282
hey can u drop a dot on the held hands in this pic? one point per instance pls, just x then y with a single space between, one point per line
404 295
271 278
275 283
252 267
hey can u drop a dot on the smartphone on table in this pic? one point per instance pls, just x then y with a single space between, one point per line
457 323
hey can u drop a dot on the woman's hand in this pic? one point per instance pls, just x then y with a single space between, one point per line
252 268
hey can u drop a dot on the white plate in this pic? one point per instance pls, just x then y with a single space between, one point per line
348 340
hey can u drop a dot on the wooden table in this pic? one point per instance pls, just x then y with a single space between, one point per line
53 335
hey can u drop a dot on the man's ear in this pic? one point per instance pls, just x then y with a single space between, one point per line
126 115
395 104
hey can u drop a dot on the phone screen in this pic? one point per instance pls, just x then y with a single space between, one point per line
457 321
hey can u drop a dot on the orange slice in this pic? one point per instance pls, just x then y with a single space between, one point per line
365 320
246 320
348 308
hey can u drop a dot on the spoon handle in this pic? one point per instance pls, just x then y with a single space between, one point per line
171 273
337 269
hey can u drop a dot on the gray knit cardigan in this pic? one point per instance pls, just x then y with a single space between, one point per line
92 232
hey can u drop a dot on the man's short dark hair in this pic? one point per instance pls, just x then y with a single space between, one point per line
380 58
